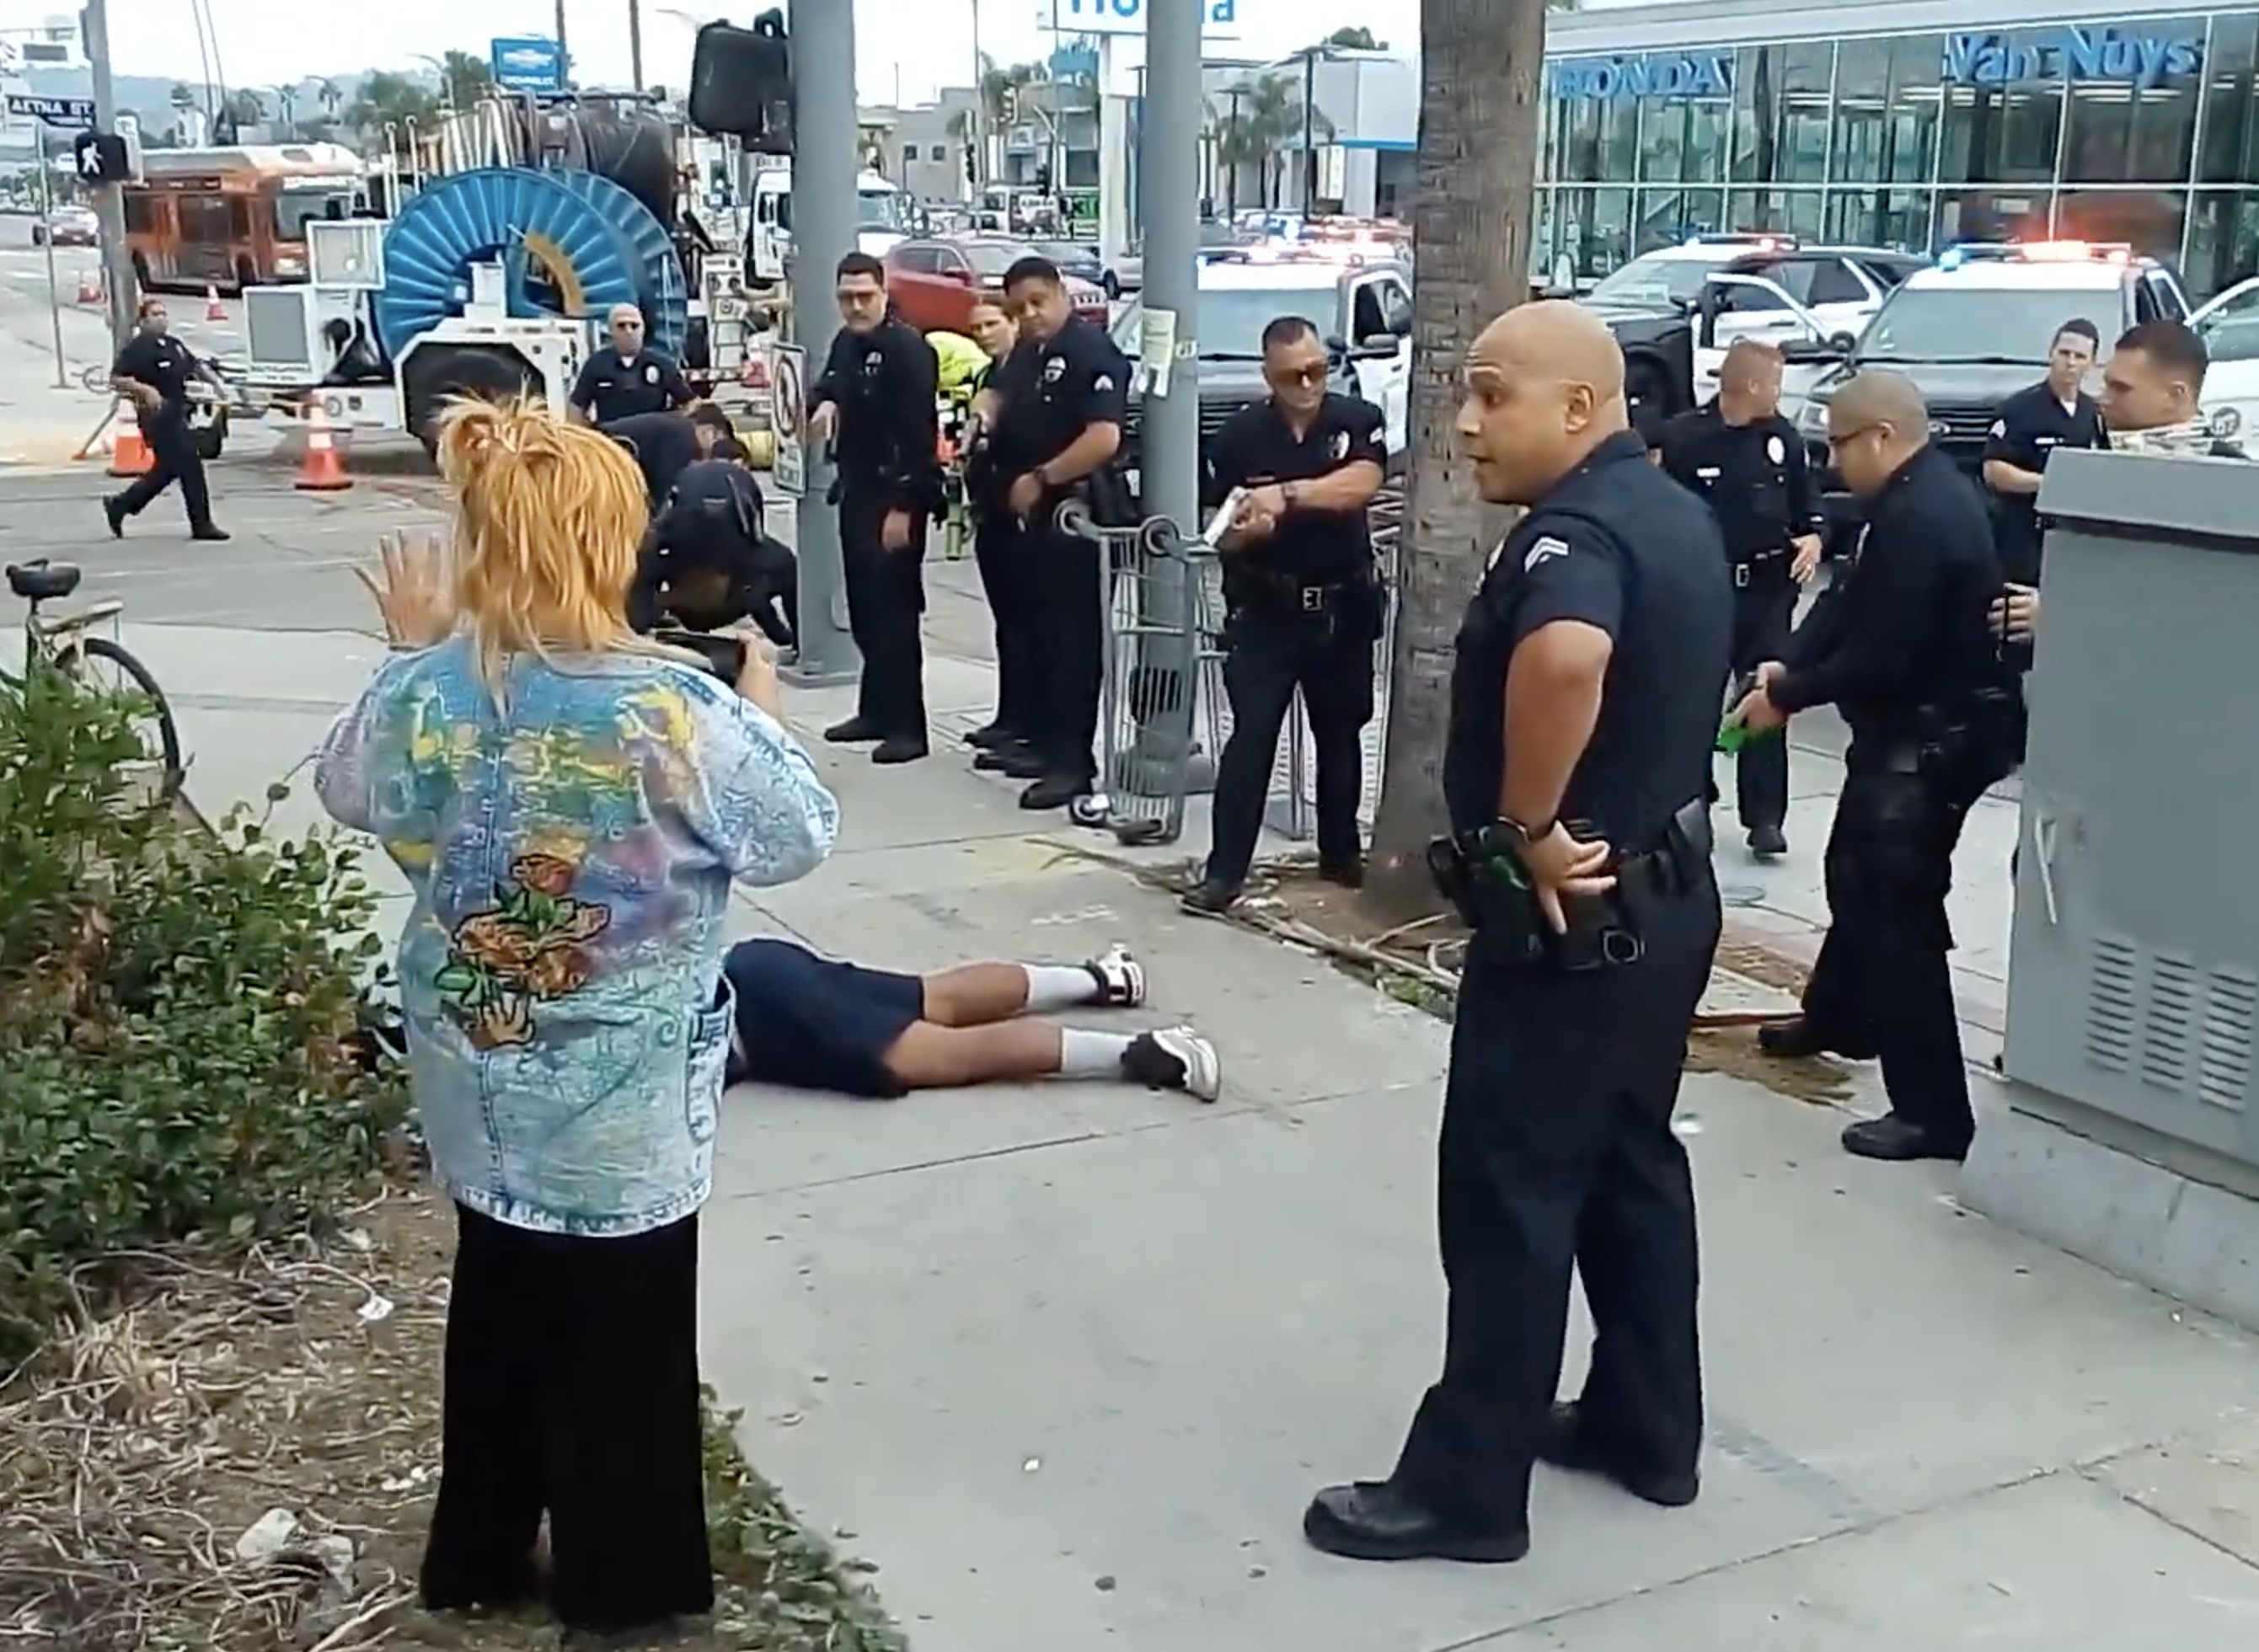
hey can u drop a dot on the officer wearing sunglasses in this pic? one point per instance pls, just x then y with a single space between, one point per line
1304 604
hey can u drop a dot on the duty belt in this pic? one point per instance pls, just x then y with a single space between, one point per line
1744 566
1275 589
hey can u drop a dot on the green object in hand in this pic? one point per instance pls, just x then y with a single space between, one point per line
1733 735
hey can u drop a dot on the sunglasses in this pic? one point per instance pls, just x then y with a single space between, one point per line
1837 443
1309 377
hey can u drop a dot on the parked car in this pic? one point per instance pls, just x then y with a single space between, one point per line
933 281
1076 259
1127 273
68 226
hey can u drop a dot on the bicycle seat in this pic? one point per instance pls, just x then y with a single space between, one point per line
42 581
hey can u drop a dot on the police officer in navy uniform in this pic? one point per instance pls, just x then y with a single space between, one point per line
1304 607
1585 700
709 561
1909 656
1000 554
154 371
2034 423
1054 411
875 401
630 377
1748 464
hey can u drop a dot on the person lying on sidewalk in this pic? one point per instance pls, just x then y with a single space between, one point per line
816 1023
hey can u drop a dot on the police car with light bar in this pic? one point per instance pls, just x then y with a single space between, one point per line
1677 310
1978 327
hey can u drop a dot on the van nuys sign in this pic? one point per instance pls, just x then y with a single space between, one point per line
2143 61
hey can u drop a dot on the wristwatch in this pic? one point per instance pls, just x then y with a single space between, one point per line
1520 836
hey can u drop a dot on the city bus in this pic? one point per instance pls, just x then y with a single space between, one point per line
234 217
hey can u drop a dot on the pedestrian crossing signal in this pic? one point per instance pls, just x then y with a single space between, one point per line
102 158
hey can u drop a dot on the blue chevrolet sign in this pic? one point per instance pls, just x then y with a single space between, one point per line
1664 75
527 63
2143 61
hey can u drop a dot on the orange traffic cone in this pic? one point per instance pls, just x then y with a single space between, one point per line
214 311
129 454
322 471
90 288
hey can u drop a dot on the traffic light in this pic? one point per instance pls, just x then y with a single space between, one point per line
1043 178
102 158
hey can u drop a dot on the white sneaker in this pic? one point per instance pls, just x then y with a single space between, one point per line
1175 1059
1121 978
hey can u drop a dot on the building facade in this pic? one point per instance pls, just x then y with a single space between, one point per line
1913 125
925 149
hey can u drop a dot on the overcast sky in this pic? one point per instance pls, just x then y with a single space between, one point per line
920 43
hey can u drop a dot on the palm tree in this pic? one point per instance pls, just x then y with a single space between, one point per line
1259 121
1472 211
466 78
386 98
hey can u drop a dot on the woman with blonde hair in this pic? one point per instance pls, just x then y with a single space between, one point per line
570 803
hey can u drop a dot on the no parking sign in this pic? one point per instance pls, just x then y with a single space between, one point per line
788 420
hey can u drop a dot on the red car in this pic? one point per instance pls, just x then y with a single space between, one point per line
934 281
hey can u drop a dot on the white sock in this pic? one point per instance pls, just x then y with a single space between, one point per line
1091 1055
1059 986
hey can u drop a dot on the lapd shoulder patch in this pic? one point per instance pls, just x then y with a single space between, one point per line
1543 552
1774 450
1999 427
1103 381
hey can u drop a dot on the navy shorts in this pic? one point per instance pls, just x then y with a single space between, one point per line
815 1023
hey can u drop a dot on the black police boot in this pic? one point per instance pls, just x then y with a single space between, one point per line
1378 1519
1347 874
210 533
1899 1141
1054 791
1564 1442
1211 897
1768 842
113 512
856 730
1793 1040
992 736
999 760
900 748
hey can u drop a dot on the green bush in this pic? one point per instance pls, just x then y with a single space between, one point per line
177 1056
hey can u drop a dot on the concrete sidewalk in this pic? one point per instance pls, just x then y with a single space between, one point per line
1066 1360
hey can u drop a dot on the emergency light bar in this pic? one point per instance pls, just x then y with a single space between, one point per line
1754 240
2034 253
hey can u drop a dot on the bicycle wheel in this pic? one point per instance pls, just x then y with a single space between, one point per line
160 737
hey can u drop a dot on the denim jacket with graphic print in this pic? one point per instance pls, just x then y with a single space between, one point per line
571 855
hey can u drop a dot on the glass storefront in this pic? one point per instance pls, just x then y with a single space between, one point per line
2143 133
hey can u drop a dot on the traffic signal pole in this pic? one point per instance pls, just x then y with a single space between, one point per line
110 198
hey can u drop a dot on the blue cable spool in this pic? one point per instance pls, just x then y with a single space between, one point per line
592 244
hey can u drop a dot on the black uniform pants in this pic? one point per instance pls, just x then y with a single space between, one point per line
173 457
1067 634
1269 656
886 597
1764 612
1557 1154
1000 551
1882 987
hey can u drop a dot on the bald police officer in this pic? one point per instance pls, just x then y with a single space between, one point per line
1576 770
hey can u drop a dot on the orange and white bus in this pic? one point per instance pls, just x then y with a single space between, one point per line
234 217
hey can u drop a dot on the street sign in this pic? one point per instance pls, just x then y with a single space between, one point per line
788 420
1220 19
527 63
65 112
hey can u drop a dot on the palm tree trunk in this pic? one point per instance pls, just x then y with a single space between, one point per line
1479 62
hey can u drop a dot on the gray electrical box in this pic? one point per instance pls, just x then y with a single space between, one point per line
2132 1033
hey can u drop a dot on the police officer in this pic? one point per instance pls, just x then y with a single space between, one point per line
1000 554
1576 771
1748 464
1910 659
154 371
2151 388
2034 423
875 401
629 378
665 445
708 560
1303 606
1055 416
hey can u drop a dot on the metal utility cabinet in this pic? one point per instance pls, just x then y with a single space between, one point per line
2131 1136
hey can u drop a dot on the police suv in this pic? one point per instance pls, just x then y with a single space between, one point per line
1977 328
1362 309
1677 310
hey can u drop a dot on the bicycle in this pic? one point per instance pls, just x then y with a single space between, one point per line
60 642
